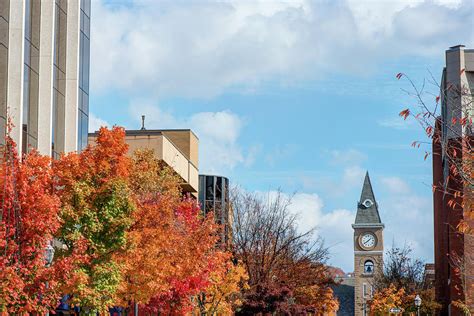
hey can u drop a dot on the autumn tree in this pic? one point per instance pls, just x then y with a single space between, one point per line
96 213
28 222
399 283
173 256
401 270
223 294
446 120
385 299
286 268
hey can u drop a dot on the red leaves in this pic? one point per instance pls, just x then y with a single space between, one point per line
429 131
172 228
437 98
405 113
30 208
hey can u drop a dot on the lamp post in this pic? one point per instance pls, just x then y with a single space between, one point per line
49 254
48 258
418 304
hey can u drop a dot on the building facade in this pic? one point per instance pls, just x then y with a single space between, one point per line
214 197
454 251
44 73
177 148
344 292
368 247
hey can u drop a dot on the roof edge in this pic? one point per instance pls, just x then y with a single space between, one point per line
368 225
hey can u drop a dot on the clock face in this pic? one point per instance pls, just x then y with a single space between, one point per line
368 203
367 241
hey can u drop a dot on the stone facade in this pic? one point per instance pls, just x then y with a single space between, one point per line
44 74
368 248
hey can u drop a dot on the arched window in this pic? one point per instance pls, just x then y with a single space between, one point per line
369 267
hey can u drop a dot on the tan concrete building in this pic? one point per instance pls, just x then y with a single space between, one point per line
44 73
368 248
177 148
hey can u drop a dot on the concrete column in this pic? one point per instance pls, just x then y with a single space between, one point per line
16 65
46 73
72 75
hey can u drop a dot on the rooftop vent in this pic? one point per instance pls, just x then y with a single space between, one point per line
143 123
457 46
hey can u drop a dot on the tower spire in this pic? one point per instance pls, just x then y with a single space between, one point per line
367 208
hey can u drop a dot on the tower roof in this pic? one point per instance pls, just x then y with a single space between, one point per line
367 208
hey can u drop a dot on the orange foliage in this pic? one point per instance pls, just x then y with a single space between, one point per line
173 248
28 222
385 299
96 212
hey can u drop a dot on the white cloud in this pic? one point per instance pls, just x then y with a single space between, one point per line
407 217
395 185
218 133
199 49
95 123
280 152
334 226
347 157
353 176
397 123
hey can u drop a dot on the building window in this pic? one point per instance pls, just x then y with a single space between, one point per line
84 55
367 290
31 75
59 78
369 267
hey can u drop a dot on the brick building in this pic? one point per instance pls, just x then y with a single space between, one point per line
454 252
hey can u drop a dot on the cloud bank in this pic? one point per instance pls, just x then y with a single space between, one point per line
218 133
202 48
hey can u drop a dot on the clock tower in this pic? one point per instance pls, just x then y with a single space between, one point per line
368 247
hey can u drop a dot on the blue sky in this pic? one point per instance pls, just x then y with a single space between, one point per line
299 96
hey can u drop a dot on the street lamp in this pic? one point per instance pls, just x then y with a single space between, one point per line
418 304
48 258
49 254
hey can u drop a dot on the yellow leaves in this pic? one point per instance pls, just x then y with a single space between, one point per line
387 298
173 248
222 295
391 297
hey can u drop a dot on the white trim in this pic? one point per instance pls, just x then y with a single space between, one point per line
374 252
368 225
46 77
16 66
72 75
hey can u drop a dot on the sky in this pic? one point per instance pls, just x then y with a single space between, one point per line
298 96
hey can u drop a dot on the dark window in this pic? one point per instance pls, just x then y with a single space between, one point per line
209 188
218 188
369 267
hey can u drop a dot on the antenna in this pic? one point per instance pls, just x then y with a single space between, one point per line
143 123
